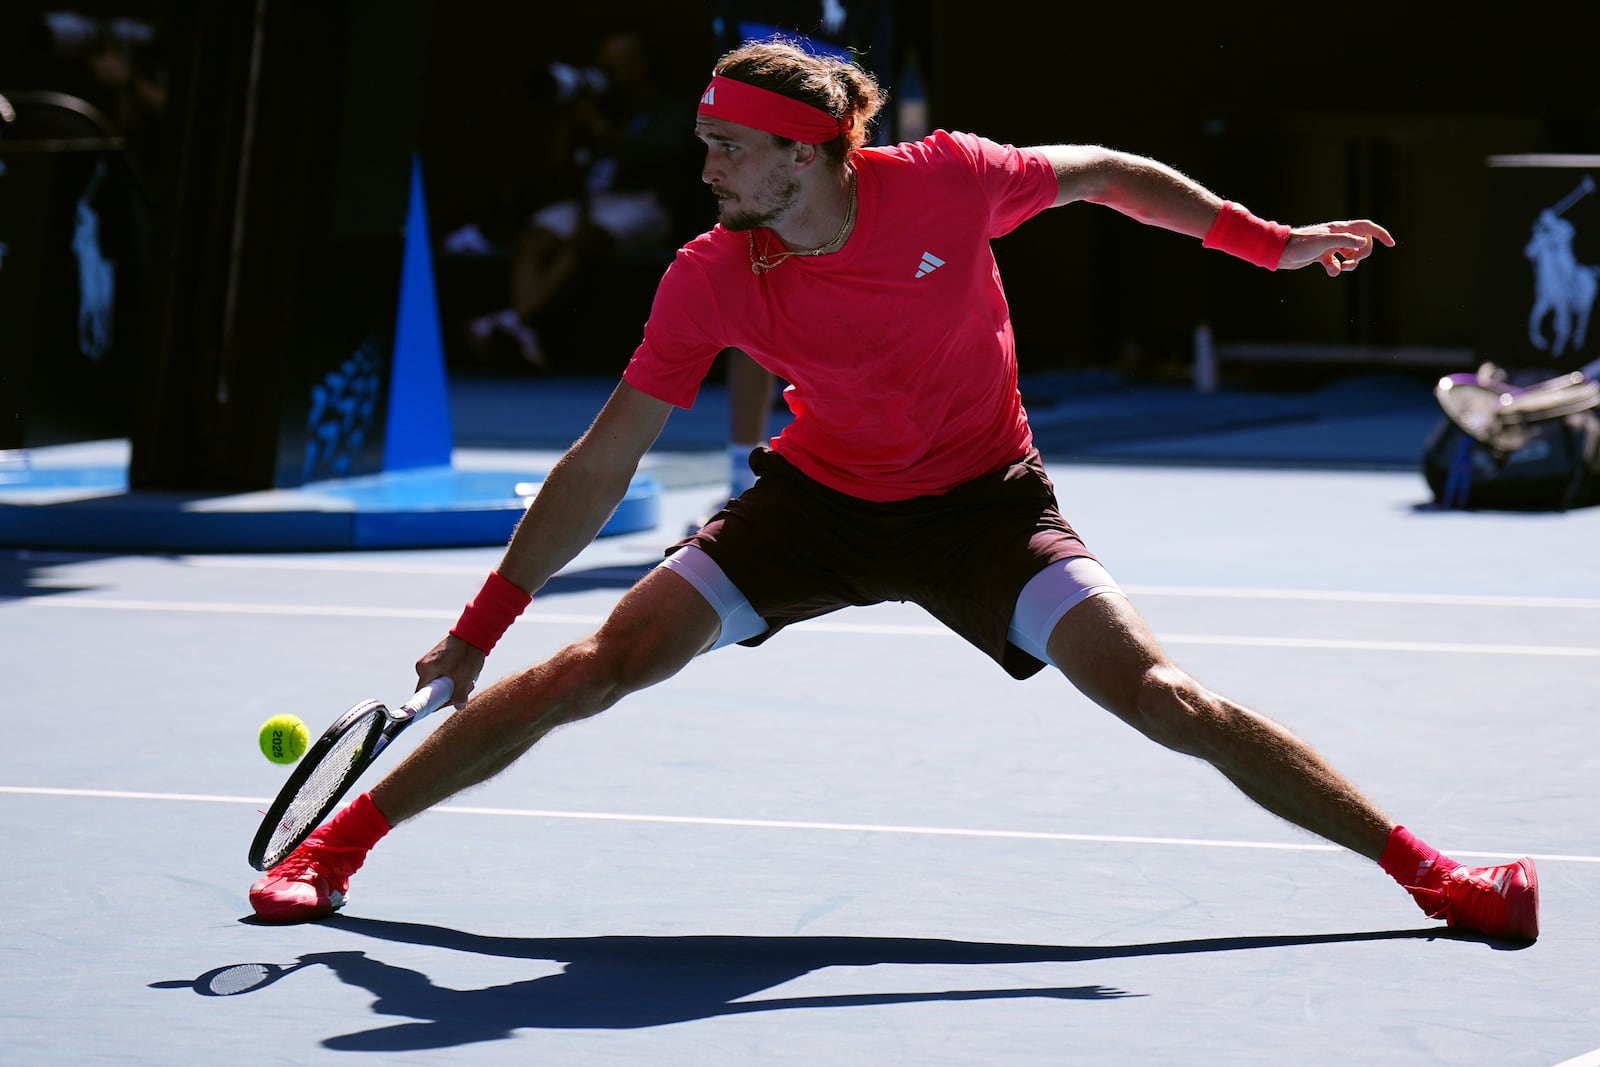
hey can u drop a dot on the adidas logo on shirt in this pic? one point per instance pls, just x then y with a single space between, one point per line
710 98
929 264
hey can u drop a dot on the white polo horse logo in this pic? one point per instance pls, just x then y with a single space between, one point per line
1564 289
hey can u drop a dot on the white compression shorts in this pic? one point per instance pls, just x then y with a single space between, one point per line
1048 596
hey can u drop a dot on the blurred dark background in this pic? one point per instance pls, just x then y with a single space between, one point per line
1302 113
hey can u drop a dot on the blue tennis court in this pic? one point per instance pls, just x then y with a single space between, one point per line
860 844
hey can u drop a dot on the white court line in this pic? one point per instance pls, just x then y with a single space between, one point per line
317 610
1377 646
819 626
1197 591
780 824
1203 592
1362 597
1252 641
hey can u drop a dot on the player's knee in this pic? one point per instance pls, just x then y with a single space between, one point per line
619 668
571 685
591 675
1170 707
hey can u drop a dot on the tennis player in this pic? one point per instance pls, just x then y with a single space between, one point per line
863 277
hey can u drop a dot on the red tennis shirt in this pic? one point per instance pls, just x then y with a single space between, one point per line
898 348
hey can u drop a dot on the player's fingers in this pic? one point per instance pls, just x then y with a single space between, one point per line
1343 257
1323 249
1363 228
1345 249
465 682
1371 229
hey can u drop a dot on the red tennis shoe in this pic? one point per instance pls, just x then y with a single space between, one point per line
1499 901
310 884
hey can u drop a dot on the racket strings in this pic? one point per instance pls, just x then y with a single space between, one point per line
322 787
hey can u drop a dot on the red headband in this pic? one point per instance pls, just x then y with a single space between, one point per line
763 109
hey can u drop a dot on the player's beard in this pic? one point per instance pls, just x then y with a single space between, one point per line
778 191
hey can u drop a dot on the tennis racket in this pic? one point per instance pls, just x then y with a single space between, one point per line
1500 415
332 765
237 978
243 978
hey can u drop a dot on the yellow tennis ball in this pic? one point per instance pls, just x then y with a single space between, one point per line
284 738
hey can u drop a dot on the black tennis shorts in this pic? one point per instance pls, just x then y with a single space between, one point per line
798 550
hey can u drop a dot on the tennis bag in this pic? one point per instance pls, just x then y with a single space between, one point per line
1528 448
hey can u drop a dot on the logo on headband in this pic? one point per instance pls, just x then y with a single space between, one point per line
763 109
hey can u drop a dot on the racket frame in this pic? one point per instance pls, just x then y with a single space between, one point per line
1498 414
381 731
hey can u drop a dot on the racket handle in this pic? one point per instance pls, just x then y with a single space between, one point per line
427 700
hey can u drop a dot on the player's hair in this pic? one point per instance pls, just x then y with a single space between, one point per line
843 90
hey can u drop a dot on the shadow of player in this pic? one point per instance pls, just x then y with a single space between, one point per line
624 982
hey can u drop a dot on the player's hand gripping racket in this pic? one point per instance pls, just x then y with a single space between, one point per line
332 765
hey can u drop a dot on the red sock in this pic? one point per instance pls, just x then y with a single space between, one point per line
361 825
1415 864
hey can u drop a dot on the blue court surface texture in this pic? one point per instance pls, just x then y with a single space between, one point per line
861 843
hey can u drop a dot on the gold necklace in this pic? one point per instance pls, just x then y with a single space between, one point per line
763 261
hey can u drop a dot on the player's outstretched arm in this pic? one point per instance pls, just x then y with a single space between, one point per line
1158 195
583 489
573 504
1137 186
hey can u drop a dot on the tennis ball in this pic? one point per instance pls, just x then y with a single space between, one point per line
284 738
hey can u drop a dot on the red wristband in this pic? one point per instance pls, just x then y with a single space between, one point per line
488 615
1239 233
